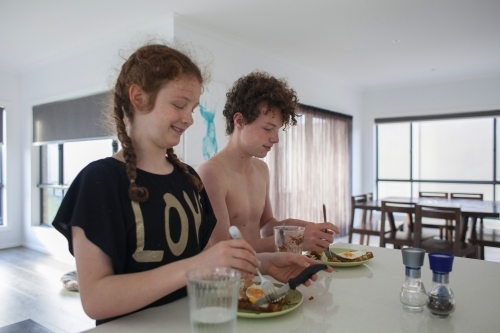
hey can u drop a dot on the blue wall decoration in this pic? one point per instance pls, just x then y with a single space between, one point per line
207 135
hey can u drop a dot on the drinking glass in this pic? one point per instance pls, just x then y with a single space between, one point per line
213 299
289 239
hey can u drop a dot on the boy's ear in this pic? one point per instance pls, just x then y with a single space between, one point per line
137 97
238 120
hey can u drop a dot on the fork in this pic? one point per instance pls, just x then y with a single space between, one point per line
330 254
266 285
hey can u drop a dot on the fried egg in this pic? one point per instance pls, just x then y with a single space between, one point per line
353 254
254 292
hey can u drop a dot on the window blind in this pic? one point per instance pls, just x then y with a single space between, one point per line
311 166
70 120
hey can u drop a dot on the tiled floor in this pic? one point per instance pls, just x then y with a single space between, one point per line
30 288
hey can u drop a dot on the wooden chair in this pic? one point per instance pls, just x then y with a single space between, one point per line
442 228
470 196
389 233
426 194
365 228
455 245
485 237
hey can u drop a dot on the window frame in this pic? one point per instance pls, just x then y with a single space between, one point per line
60 181
412 120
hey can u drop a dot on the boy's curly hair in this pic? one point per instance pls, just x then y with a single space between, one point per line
256 90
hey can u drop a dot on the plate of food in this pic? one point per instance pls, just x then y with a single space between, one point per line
250 291
345 258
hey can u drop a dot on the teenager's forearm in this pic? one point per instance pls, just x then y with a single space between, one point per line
265 244
116 295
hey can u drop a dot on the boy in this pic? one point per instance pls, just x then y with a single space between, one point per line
237 181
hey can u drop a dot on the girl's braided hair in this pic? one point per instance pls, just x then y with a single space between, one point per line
150 67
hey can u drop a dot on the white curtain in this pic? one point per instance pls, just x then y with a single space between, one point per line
311 166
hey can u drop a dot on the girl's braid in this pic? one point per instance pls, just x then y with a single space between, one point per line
172 158
122 106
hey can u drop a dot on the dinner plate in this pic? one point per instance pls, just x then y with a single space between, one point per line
343 264
294 299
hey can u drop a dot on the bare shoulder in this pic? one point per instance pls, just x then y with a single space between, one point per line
261 167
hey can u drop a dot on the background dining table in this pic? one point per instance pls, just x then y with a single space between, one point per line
361 298
470 208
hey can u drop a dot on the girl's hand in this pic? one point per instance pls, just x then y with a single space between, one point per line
284 265
235 253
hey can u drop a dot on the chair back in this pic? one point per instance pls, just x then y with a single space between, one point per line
397 207
469 196
387 209
361 198
426 194
440 213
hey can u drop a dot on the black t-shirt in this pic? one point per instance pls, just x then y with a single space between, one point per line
173 224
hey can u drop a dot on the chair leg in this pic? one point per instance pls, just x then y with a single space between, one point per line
352 224
363 226
370 224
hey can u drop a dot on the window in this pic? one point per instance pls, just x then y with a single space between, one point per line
60 164
454 154
311 166
70 135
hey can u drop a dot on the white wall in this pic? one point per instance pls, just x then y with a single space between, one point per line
233 59
10 91
88 70
479 94
84 71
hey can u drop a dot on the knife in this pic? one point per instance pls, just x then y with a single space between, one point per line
292 283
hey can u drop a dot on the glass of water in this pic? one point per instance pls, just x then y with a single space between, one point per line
213 299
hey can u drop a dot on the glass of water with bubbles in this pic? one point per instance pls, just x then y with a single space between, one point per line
213 299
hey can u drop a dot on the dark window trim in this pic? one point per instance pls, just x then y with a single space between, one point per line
478 114
314 108
481 182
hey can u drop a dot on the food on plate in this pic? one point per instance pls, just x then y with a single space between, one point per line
346 256
251 292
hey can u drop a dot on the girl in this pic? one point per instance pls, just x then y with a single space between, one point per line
136 222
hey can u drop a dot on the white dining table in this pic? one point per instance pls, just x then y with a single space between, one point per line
357 299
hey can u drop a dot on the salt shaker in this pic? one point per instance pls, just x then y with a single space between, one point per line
413 294
440 301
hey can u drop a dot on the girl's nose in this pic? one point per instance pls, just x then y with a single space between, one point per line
187 118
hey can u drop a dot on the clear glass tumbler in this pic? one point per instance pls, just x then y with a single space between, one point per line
213 299
289 239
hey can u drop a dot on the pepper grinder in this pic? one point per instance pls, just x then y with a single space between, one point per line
413 294
441 302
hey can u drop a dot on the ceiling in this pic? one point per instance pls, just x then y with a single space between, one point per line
365 44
